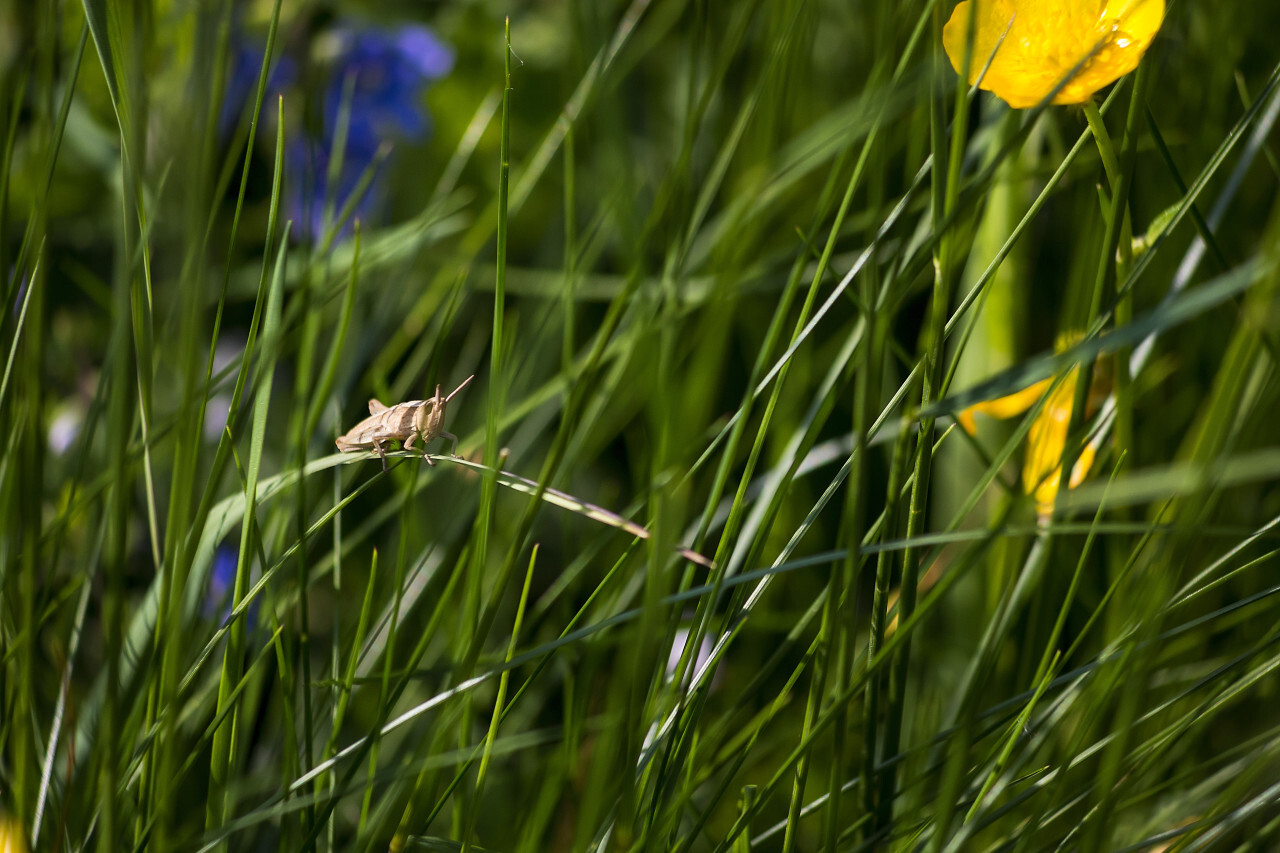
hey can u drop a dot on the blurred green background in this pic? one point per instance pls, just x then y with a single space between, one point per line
698 310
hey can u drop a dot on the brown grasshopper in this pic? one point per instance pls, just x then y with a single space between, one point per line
406 422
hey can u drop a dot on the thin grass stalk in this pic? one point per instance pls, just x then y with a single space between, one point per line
115 566
677 749
737 508
866 404
347 678
223 758
307 404
17 78
568 309
251 679
772 335
357 751
329 371
1060 793
651 699
1204 228
324 387
1117 169
1111 263
336 587
499 704
817 416
33 235
1046 671
742 603
1250 118
572 415
842 596
943 200
874 531
1120 361
746 808
183 540
749 115
202 401
885 658
540 663
305 751
885 563
1204 444
385 700
473 618
702 617
206 82
478 236
56 728
497 377
842 659
121 84
817 686
1124 260
651 635
23 738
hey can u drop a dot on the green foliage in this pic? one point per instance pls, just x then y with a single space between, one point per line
716 570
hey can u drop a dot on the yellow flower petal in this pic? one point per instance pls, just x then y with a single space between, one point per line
1047 492
1045 41
1003 407
1042 470
12 838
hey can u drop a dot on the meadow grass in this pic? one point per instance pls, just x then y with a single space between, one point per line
717 568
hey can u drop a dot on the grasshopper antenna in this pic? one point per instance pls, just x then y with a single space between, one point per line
455 391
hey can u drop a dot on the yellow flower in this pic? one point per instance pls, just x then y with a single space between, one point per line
1004 407
1046 39
12 839
1042 470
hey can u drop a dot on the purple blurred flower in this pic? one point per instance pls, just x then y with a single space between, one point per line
389 70
388 73
307 188
221 587
242 83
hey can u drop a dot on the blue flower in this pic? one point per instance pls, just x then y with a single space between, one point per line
221 586
307 188
242 83
389 70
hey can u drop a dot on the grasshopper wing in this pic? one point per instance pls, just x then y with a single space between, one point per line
363 435
375 407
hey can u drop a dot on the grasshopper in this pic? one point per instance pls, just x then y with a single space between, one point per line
406 422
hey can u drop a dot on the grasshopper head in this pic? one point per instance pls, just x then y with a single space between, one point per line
429 416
